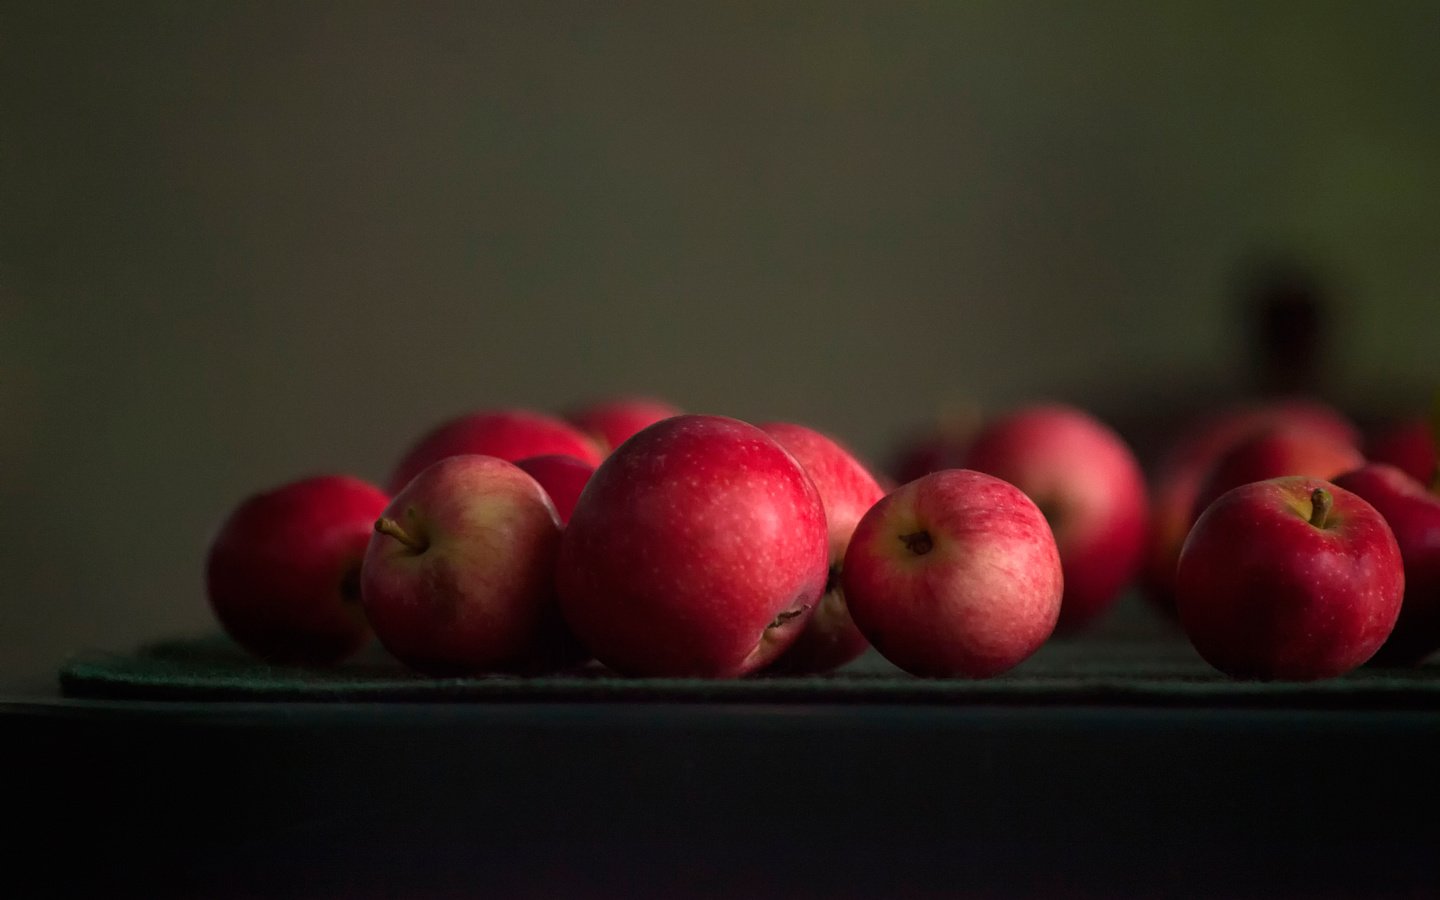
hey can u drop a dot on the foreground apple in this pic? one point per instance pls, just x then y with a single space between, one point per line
1291 578
562 477
1413 514
1086 481
1180 475
698 548
957 573
847 490
283 573
459 574
508 434
613 422
1276 453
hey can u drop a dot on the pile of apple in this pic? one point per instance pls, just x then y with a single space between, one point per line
662 544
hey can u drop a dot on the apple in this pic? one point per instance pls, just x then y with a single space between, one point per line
1413 514
508 434
847 490
1092 491
1274 453
612 422
562 477
1180 474
1290 578
1408 445
283 572
458 576
954 574
699 548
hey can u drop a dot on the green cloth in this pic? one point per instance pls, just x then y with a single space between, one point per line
1064 672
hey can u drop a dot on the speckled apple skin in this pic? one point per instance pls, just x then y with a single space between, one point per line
508 434
481 596
613 422
1413 514
984 597
1263 594
562 477
282 572
847 490
688 543
1087 481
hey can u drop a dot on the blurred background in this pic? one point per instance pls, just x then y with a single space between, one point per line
240 243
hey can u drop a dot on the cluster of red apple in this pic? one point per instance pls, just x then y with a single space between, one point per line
663 544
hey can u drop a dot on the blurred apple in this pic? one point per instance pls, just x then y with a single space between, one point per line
283 573
458 577
847 490
1408 446
1086 481
1275 453
612 422
955 574
699 548
1290 578
508 434
562 477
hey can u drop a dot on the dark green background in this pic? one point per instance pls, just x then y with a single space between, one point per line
244 242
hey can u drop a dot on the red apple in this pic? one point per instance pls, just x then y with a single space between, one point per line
1290 578
509 434
1087 482
283 573
459 574
1181 471
847 490
698 548
1275 453
612 422
562 477
1408 445
957 573
1413 514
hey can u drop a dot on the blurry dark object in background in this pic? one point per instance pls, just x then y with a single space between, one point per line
1287 312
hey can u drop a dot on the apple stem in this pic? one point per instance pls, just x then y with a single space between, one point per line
918 543
392 528
1320 503
786 615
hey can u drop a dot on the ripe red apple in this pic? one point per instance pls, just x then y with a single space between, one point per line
612 422
847 490
1275 453
1408 445
698 548
1413 514
1290 578
508 434
1091 490
957 573
1181 471
459 573
283 573
562 477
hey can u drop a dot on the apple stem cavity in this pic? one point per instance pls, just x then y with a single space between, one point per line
1320 503
393 529
918 542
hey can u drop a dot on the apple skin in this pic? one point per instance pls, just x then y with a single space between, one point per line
848 490
1413 514
471 587
1275 453
508 434
562 477
699 548
1264 594
1086 480
1409 446
1180 475
985 594
612 422
283 572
